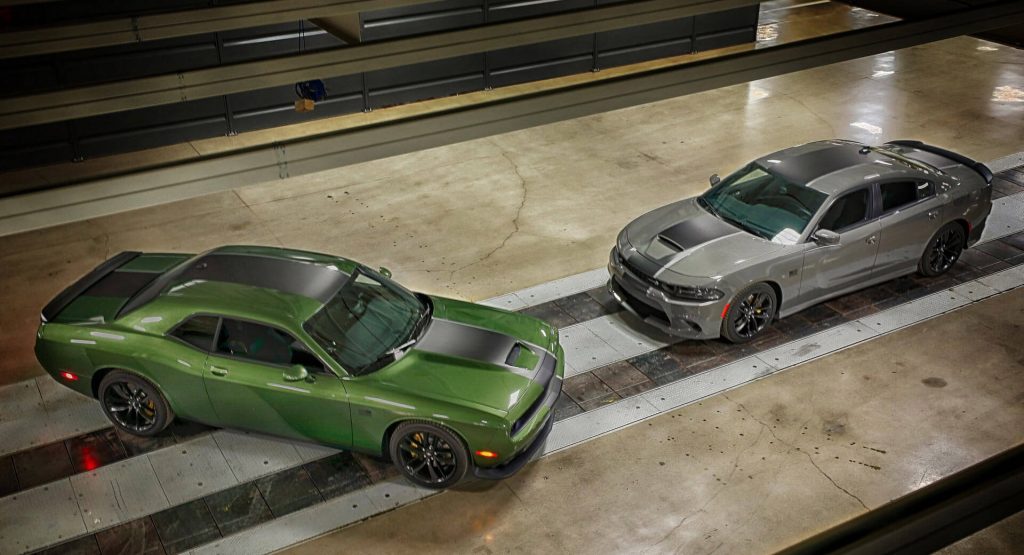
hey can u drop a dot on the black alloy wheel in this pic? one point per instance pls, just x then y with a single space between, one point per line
133 404
428 455
749 313
943 251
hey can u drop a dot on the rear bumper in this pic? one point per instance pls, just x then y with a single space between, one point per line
519 461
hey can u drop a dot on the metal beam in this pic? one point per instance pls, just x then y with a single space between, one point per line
190 85
333 150
146 28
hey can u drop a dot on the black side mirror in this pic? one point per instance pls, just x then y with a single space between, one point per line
825 237
714 179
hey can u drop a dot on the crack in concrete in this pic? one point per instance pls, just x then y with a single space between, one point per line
106 246
725 484
799 450
810 111
515 220
266 226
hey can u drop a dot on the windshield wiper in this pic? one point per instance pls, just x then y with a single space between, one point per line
707 206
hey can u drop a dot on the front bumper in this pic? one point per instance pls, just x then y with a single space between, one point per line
686 319
516 463
541 422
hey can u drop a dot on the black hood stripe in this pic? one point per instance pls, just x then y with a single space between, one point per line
445 337
695 231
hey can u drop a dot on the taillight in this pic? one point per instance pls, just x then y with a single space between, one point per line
68 376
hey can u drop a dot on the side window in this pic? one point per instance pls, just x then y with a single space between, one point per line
897 194
846 211
264 344
197 331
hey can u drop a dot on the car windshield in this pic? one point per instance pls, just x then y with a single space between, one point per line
764 204
367 322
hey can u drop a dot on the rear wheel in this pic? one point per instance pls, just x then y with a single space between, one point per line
750 312
428 455
942 251
133 404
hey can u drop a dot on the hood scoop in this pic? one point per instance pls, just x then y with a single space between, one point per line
521 356
695 231
670 242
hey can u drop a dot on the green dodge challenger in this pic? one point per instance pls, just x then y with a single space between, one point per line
307 346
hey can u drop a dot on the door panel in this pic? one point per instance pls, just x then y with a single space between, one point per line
834 268
904 233
255 396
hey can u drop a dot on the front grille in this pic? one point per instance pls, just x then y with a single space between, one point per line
641 306
636 271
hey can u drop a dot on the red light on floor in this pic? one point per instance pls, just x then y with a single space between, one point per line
725 310
89 462
487 454
69 376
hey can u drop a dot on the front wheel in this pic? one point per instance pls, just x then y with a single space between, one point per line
750 312
428 455
942 251
133 404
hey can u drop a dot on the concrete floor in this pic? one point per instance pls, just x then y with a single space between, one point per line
543 202
747 471
754 469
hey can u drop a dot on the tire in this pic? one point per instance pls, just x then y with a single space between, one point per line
942 251
750 312
428 455
133 404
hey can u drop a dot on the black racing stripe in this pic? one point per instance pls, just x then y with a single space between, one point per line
289 276
451 338
809 166
695 231
120 284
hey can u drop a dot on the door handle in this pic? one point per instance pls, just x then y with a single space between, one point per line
218 371
871 240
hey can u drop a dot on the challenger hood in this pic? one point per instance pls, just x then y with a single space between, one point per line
685 239
477 356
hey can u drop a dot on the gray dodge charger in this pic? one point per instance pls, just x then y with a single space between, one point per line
795 228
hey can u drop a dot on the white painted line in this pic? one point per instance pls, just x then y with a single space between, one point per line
1005 280
549 291
190 470
318 519
38 517
694 388
795 6
250 456
117 493
1006 162
814 346
588 425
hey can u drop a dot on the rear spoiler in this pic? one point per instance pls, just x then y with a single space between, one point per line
980 168
65 297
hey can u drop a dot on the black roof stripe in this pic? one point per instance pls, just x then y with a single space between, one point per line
289 276
806 167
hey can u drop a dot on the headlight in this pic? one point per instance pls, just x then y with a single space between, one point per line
693 293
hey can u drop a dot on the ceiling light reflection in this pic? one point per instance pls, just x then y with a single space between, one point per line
1007 93
873 129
